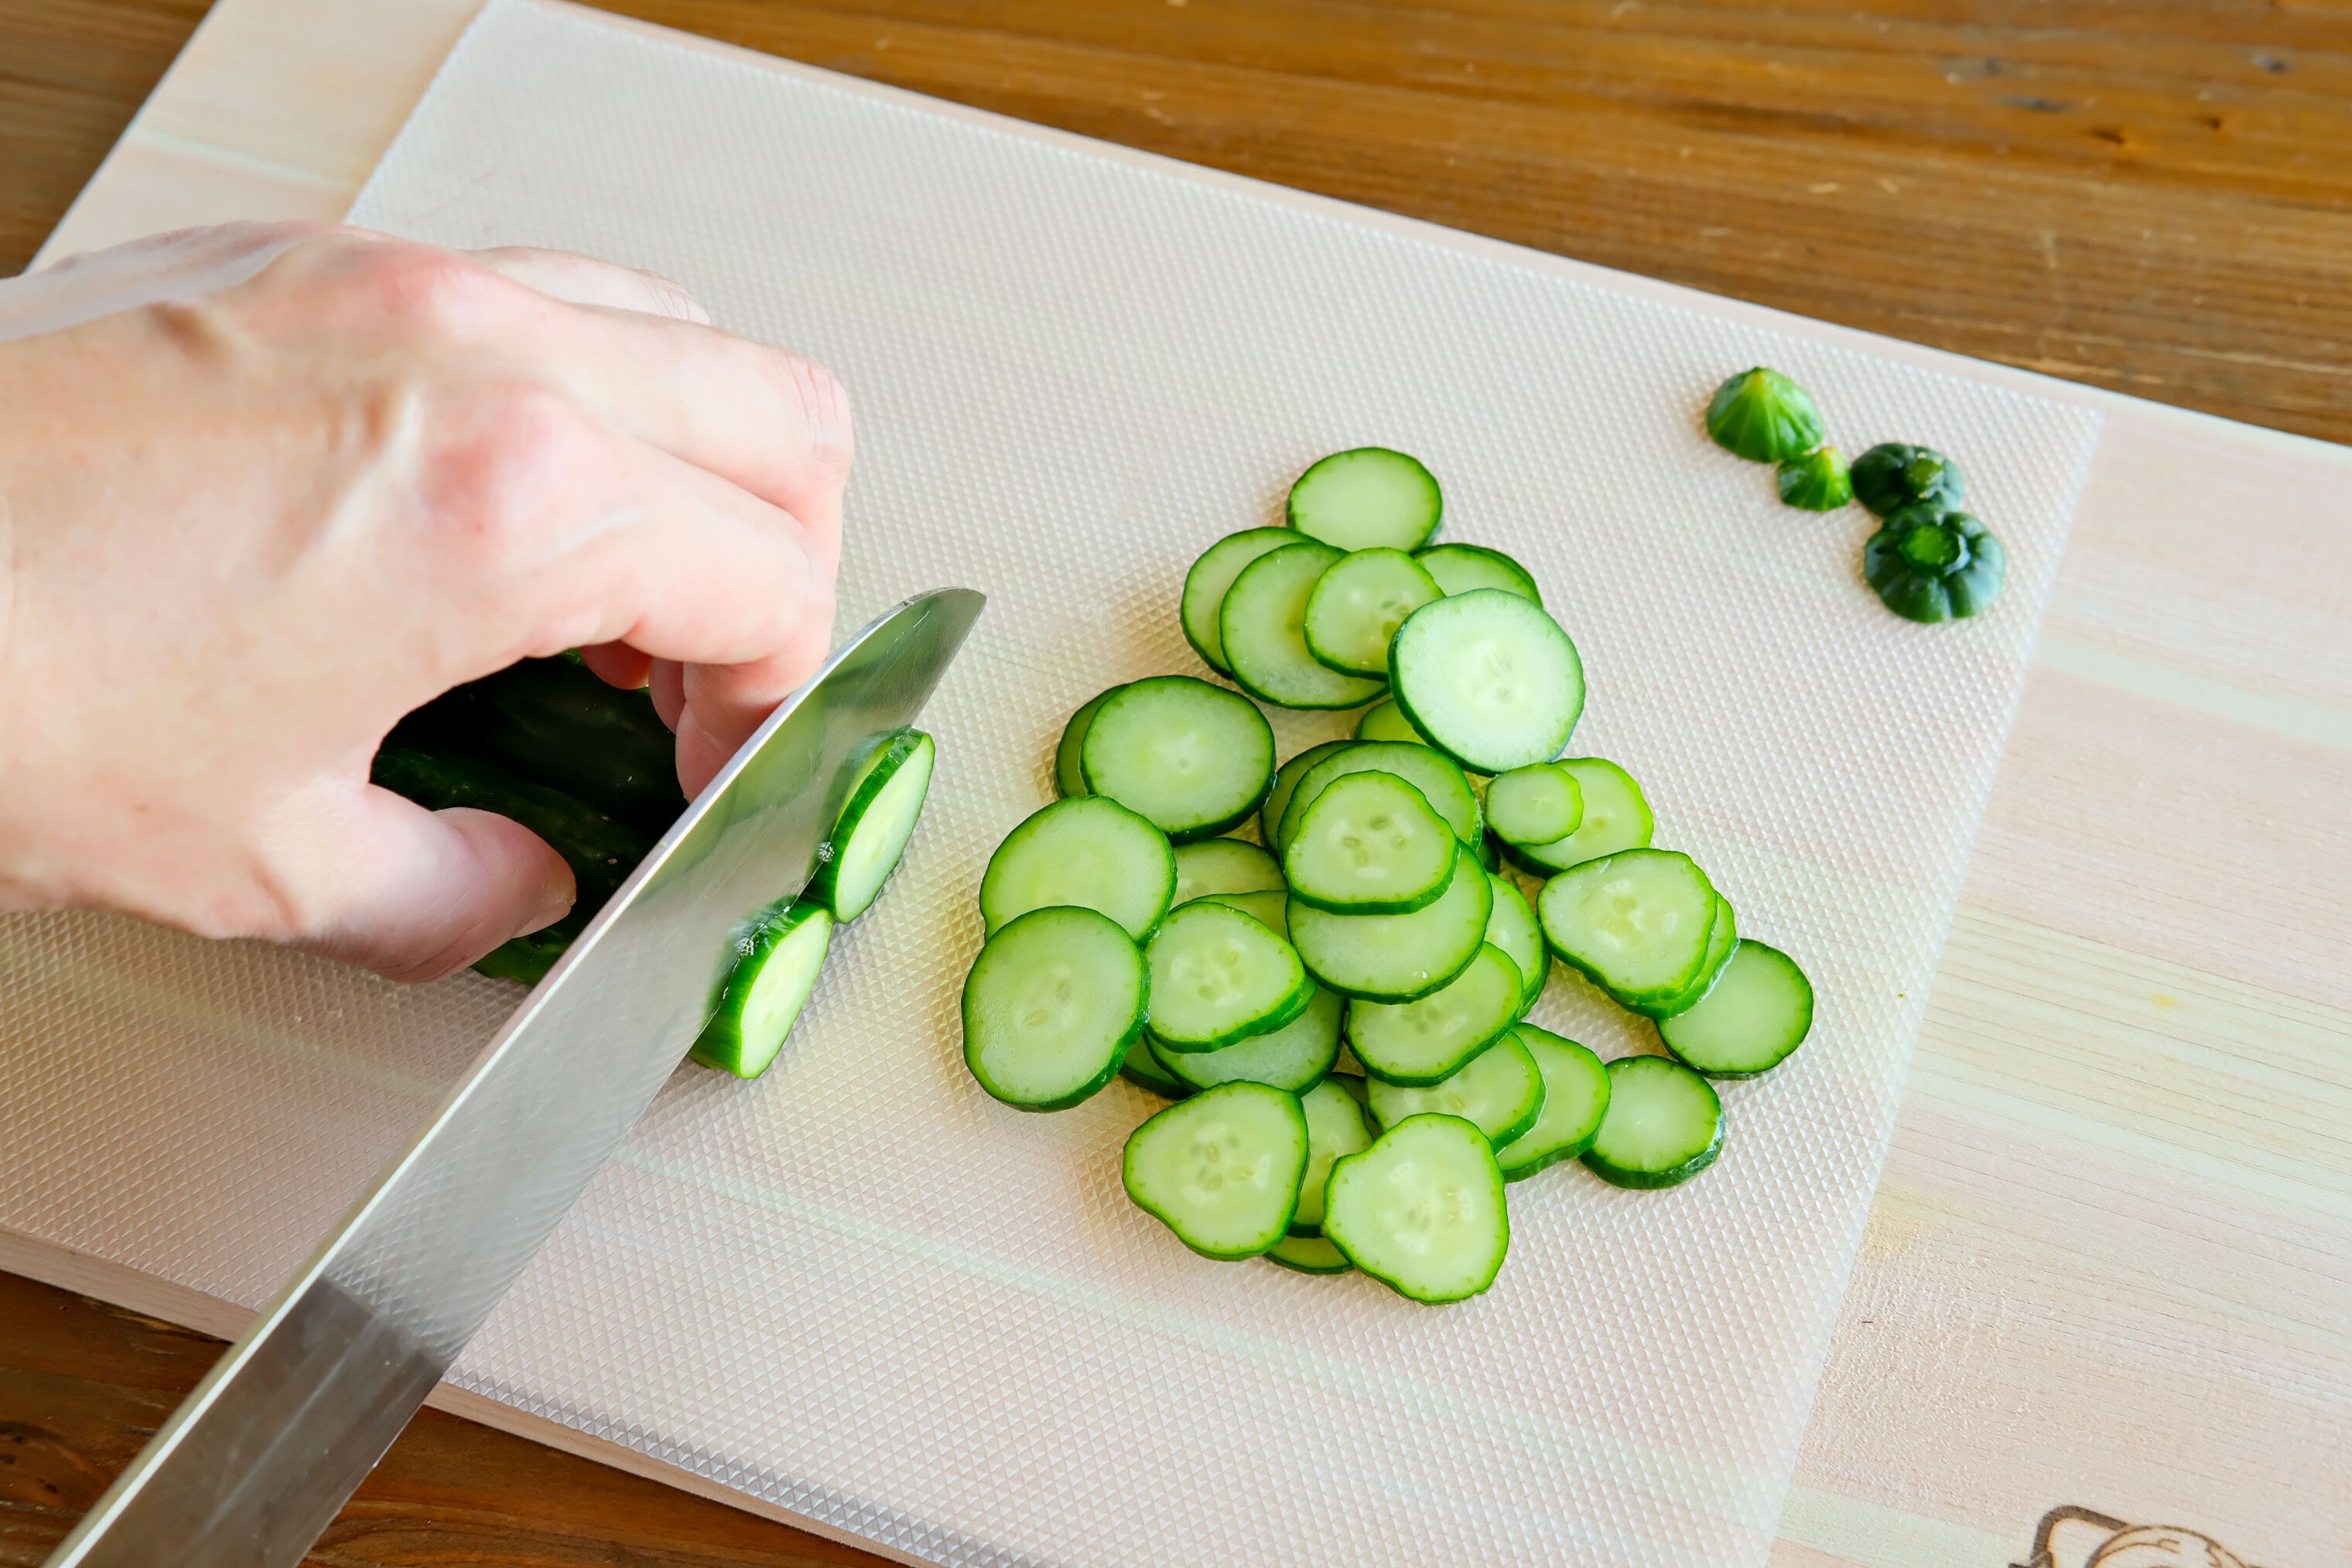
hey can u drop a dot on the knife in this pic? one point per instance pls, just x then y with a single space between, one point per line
260 1456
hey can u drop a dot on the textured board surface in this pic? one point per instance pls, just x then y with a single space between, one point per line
859 1289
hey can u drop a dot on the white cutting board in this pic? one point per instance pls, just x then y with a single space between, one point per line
861 1292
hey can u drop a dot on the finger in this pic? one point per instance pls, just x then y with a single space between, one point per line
417 895
666 682
618 664
583 280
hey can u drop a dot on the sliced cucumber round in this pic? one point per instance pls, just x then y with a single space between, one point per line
1616 816
1663 1127
1413 1044
1212 576
1223 865
1218 976
1309 1255
1357 605
1499 1092
1395 957
777 959
1286 780
1459 569
1053 1003
1511 925
1386 721
1295 1057
1221 1169
1144 1069
1087 852
1489 677
1191 759
1538 804
1367 499
871 833
1264 623
1067 779
1636 923
1440 783
1422 1210
1270 906
1576 1095
1757 1012
1335 1129
1370 844
1722 937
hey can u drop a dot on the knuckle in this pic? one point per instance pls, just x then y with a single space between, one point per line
508 455
820 402
422 289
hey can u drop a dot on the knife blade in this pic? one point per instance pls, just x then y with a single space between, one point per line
260 1456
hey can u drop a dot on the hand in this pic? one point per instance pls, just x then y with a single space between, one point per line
311 479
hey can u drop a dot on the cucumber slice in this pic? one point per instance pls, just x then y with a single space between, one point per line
1499 1092
1386 721
1222 866
1757 1012
871 833
1218 976
1067 779
1511 925
1087 852
777 960
1367 499
1263 625
1270 906
1309 1255
1191 759
1357 605
1051 1007
1489 677
1722 937
1295 1057
1576 1095
1422 1210
1636 922
1440 782
1395 957
1459 569
1616 816
1335 1129
1422 1043
1221 1169
1664 1124
1144 1069
1277 800
1538 804
1212 577
1370 844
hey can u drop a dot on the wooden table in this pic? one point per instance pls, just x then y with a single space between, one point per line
2108 1265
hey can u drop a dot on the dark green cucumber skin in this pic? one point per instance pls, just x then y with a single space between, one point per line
1649 1181
722 1047
555 722
601 852
1567 1152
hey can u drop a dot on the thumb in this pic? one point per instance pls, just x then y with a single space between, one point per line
419 894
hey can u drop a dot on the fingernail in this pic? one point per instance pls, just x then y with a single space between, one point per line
553 906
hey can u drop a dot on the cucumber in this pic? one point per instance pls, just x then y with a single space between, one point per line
1221 1168
1370 844
1616 816
1511 925
1663 1127
1263 628
1143 1068
1422 1210
1757 1012
1722 937
1489 678
1087 850
1067 779
1270 906
1335 1129
1191 759
1395 957
1357 605
1286 780
1576 1096
1459 569
1367 499
1636 923
777 959
1440 783
1386 721
1309 1255
1538 804
1295 1057
1222 866
1422 1043
1052 1006
871 832
1218 976
1499 1092
1212 576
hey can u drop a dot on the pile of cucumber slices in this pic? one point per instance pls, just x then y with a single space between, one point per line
1337 1010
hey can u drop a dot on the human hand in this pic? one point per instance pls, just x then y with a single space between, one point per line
312 477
